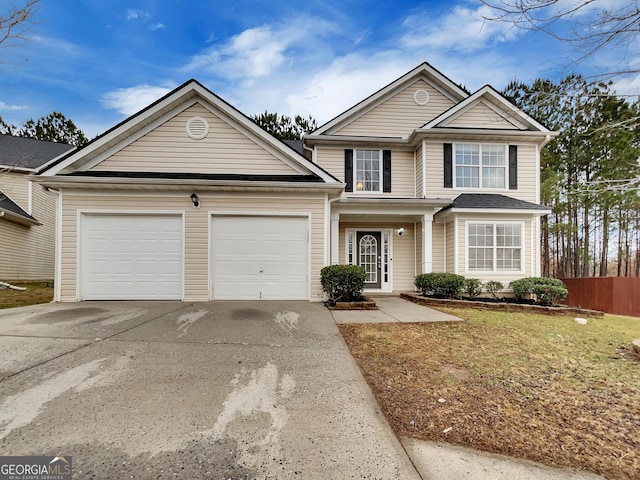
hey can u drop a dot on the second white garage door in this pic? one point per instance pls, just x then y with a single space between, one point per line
258 257
131 257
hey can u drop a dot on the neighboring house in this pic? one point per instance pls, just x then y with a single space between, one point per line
27 212
189 199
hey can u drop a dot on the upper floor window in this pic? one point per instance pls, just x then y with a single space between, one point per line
368 171
480 166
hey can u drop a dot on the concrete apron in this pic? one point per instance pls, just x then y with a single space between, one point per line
178 390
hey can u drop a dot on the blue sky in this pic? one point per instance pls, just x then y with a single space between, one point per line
99 61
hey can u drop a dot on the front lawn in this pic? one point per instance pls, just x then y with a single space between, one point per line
36 292
531 386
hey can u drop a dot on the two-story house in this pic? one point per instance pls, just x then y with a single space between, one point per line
189 199
435 179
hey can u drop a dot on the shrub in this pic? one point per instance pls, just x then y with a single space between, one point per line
472 287
343 282
448 285
548 291
493 287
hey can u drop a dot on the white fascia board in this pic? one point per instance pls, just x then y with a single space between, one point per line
480 134
352 140
14 217
474 98
502 211
14 169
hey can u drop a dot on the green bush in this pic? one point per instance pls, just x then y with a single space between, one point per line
448 285
493 287
472 287
548 291
343 282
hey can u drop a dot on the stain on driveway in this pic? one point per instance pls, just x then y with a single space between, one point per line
177 390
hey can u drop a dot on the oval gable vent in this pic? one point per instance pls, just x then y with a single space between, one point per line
420 97
197 128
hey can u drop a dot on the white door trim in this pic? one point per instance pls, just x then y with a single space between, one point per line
384 286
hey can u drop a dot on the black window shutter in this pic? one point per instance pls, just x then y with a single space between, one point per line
348 169
513 167
386 170
448 165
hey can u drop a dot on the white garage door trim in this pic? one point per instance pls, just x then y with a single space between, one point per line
303 217
177 293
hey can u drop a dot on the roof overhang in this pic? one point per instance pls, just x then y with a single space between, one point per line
388 206
346 140
448 214
102 183
14 217
481 134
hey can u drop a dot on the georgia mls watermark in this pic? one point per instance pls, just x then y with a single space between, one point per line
35 468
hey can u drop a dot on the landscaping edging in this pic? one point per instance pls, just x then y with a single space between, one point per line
367 304
502 307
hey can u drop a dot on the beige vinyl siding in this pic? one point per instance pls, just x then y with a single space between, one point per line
196 247
403 253
449 228
28 252
402 170
418 172
16 187
168 148
437 246
526 174
502 277
481 116
399 115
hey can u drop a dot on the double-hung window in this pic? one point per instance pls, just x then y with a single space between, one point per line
494 247
480 165
368 171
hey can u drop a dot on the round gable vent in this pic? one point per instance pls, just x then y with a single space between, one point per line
420 97
197 128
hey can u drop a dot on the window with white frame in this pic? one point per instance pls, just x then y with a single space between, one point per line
480 165
368 171
494 247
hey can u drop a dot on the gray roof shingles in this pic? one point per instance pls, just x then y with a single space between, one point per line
28 152
491 201
6 204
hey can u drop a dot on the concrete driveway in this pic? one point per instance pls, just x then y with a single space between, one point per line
228 390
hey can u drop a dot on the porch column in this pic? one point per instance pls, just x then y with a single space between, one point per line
427 240
334 234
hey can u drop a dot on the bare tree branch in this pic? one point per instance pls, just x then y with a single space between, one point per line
15 23
602 26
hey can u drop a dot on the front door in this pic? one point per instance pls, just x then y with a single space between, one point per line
369 257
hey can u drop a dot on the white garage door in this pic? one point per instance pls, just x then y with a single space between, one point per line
260 258
131 257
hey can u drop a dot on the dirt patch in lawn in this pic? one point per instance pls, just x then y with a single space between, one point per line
36 292
531 386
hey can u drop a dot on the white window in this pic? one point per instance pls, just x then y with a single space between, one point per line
480 166
368 171
494 247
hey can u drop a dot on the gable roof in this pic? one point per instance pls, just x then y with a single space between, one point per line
489 96
12 211
28 153
160 111
491 201
424 70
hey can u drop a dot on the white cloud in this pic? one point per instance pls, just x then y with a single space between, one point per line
137 14
133 99
157 26
258 52
11 108
463 29
629 85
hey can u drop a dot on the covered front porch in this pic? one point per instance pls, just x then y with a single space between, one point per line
392 239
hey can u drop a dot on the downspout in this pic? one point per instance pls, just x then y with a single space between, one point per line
312 150
57 274
547 139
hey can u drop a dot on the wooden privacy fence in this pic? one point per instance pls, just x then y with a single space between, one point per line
617 295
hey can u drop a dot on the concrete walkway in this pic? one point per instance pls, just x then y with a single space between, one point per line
393 310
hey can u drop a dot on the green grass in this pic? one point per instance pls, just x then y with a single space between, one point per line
37 292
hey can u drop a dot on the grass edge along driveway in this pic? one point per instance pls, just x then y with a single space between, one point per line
531 386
